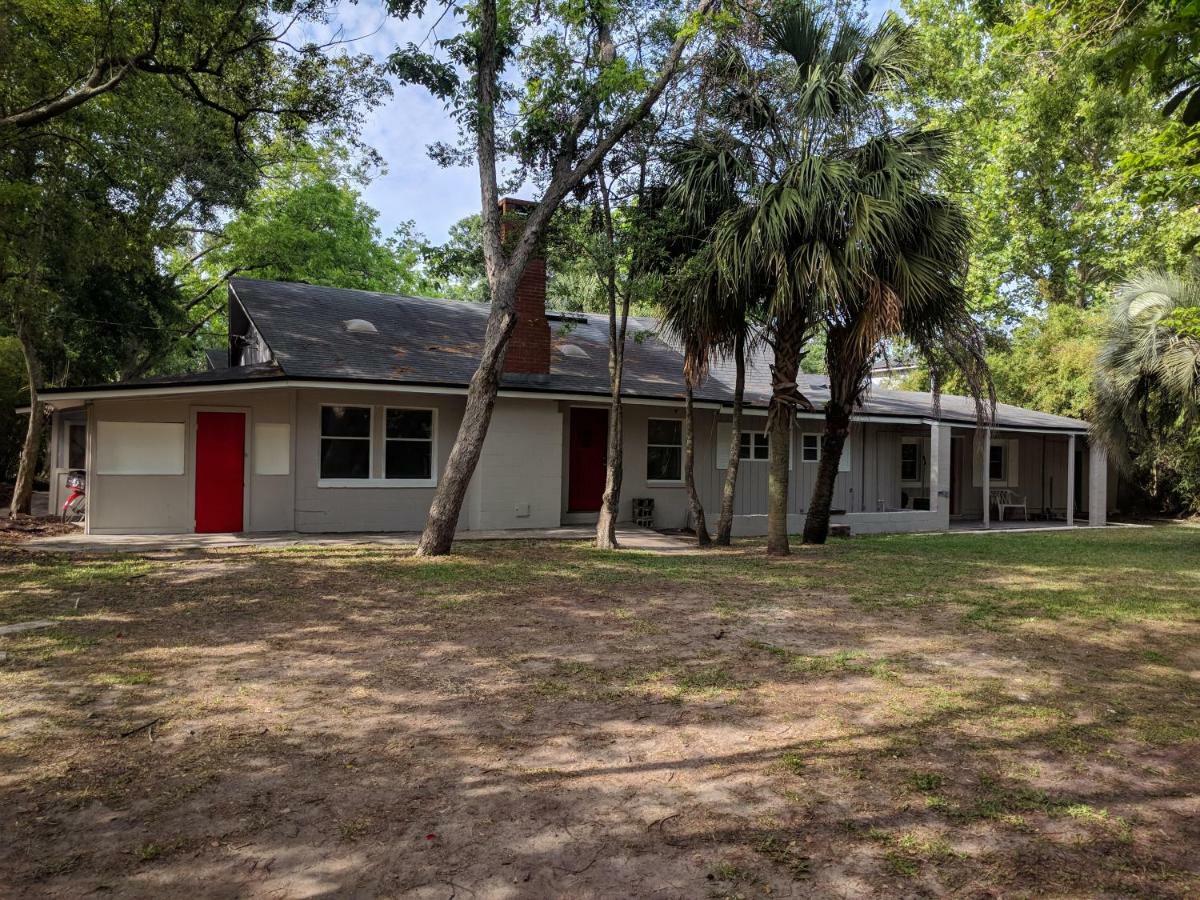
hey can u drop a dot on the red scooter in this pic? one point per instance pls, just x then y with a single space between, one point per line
76 502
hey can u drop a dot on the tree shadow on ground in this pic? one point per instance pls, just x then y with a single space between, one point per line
543 720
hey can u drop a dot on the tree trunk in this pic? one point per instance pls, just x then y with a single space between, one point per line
606 525
610 505
504 269
689 470
833 442
728 492
785 397
438 536
23 489
779 430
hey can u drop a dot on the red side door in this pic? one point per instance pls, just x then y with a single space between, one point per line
586 459
220 471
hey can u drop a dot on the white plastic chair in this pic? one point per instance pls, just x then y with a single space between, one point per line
1004 499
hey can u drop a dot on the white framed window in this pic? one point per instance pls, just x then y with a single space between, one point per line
664 450
378 446
910 461
755 447
810 447
346 433
409 436
1002 463
997 463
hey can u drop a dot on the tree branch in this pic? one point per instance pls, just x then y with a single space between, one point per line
100 81
485 130
565 179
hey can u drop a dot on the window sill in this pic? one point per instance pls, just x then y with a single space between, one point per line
664 484
376 483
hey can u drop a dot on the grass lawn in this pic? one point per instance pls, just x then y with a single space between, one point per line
969 715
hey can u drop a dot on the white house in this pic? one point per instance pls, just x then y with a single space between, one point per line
335 410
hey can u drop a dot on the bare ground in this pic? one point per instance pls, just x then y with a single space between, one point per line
890 717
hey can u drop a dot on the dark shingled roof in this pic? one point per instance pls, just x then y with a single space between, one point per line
437 342
229 375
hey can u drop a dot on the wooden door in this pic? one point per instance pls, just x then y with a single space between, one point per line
220 471
586 459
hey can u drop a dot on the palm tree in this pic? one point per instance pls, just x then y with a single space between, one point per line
689 321
912 286
800 237
1148 371
705 186
739 339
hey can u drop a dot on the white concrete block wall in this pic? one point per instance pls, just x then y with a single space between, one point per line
670 499
524 468
365 507
517 482
166 504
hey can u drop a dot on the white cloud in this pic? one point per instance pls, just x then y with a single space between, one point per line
414 187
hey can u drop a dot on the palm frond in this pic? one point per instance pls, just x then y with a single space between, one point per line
1148 372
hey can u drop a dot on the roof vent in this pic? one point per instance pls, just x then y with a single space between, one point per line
360 326
574 350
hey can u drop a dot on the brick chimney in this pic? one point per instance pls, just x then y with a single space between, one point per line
529 347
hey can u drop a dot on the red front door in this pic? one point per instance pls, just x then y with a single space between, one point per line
588 454
220 471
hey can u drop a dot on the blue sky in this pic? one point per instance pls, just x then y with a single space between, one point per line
413 186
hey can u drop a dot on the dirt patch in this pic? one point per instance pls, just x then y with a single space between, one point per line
547 720
21 529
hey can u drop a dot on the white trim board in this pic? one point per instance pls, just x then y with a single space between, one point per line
510 393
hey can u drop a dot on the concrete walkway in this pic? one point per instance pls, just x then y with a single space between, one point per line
1019 526
630 537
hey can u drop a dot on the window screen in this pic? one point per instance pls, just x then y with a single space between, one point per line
996 463
76 446
664 450
345 442
810 448
409 444
910 462
755 445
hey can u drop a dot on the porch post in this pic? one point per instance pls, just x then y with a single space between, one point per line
89 466
939 473
986 479
1097 483
1070 481
52 460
